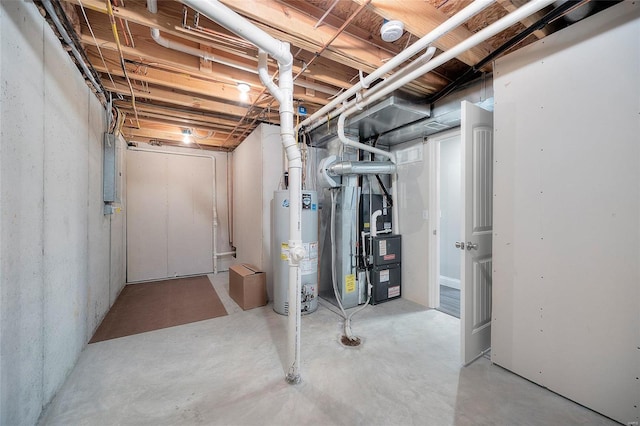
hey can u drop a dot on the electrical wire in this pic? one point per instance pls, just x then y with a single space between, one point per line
114 29
86 19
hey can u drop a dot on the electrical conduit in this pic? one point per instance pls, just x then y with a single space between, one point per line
224 16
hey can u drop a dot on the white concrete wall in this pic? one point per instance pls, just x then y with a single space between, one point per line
257 169
566 281
55 246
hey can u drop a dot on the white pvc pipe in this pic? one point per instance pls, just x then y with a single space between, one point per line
241 27
395 220
207 56
194 51
423 59
373 227
224 16
493 29
384 89
453 22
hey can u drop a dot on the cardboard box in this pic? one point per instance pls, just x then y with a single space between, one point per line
247 286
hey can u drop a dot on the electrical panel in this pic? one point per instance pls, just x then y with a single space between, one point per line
111 173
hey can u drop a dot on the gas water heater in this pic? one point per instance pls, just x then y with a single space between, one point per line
280 252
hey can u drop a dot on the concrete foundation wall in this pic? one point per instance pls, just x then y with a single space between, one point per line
55 243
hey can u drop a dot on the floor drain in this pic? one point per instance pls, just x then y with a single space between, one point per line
349 342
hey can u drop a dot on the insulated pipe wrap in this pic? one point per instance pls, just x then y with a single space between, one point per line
362 168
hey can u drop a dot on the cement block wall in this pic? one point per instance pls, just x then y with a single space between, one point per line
56 275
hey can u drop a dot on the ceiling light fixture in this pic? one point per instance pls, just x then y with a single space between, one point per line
243 88
186 136
391 30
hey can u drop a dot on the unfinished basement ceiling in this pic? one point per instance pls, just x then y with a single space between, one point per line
169 93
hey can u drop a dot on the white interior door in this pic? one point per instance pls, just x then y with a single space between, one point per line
477 229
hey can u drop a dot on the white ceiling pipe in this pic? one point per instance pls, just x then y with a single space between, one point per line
450 24
152 6
181 47
194 51
493 29
241 27
423 59
224 16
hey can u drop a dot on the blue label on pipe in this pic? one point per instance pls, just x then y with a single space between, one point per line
302 110
285 203
313 207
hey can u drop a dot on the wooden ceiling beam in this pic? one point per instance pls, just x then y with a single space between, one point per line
186 82
330 73
289 24
165 95
199 118
298 28
175 135
420 18
511 5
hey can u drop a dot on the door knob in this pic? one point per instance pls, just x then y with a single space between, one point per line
471 246
460 245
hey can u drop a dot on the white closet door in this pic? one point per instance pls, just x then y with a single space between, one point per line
169 215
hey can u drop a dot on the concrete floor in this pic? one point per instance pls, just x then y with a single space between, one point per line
230 371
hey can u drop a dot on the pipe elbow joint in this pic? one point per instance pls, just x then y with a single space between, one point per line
296 251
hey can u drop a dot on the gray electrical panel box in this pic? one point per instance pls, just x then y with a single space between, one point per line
110 168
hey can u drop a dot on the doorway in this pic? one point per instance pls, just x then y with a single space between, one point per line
449 194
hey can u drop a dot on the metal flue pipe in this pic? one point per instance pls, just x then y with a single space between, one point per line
224 16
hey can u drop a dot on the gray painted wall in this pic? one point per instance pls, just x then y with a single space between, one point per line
450 208
56 245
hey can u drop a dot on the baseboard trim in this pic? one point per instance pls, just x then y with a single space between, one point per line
450 282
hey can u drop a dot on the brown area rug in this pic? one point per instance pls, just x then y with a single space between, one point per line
161 304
